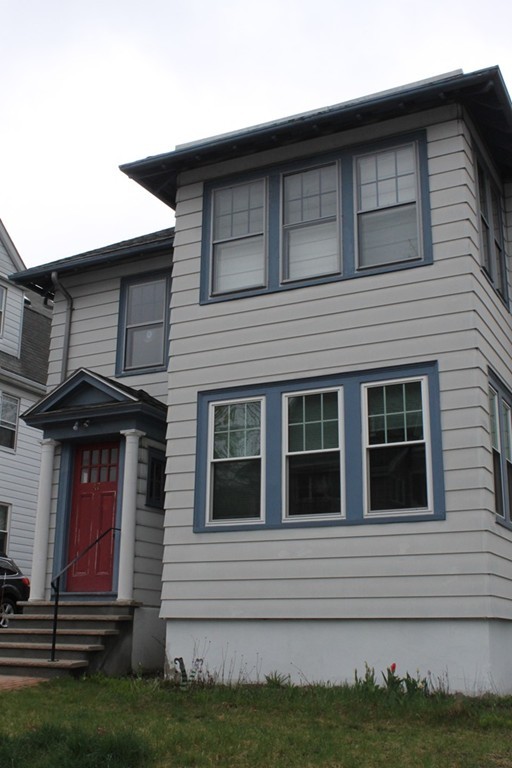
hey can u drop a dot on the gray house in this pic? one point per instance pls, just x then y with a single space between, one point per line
338 390
24 340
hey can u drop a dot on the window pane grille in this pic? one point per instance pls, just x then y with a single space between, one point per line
238 239
387 207
145 324
236 461
396 454
310 205
8 420
313 455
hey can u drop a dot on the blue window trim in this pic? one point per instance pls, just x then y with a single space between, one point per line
346 218
126 282
352 448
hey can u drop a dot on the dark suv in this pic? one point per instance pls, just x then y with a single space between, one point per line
14 586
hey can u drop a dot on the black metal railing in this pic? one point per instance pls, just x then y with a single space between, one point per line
56 584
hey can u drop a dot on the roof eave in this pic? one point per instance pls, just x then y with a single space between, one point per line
159 174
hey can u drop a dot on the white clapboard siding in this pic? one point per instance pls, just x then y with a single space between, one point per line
19 485
94 326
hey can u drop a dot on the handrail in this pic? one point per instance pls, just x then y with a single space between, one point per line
56 584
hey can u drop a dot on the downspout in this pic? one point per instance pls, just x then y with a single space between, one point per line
67 324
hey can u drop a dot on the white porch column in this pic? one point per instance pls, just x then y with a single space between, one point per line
128 514
42 528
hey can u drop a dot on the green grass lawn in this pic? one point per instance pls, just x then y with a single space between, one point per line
132 723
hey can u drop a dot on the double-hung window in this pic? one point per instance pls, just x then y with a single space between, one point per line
351 213
2 309
9 407
500 425
235 482
361 447
397 450
4 519
491 230
310 223
387 206
313 454
143 324
238 244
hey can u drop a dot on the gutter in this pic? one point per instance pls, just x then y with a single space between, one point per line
28 384
67 324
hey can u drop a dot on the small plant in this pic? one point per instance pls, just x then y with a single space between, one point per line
393 683
416 686
277 680
368 683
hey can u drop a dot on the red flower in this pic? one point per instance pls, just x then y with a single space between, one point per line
393 667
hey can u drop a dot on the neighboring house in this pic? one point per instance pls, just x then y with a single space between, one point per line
103 455
24 338
339 392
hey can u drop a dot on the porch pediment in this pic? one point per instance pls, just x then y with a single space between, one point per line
87 403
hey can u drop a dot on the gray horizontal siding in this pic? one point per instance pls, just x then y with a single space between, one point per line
429 313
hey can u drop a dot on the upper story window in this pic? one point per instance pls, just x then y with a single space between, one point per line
2 309
491 231
4 520
238 243
143 324
9 407
387 210
354 213
354 448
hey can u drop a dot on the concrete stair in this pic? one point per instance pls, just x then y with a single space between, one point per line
92 636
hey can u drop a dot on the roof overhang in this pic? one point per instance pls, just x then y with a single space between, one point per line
40 278
483 93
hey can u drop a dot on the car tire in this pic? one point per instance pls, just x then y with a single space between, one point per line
7 608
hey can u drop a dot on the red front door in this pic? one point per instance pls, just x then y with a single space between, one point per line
93 510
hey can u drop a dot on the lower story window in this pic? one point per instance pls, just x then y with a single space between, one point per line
396 452
500 423
354 448
313 466
4 519
235 481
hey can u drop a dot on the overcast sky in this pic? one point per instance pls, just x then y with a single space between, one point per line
86 85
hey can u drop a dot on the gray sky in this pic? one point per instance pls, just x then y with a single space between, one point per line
86 85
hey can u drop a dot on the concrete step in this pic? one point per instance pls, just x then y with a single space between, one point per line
70 651
75 607
40 634
69 620
40 667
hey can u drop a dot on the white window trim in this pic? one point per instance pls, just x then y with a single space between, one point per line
264 235
130 326
283 228
411 511
209 486
16 423
284 480
418 202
